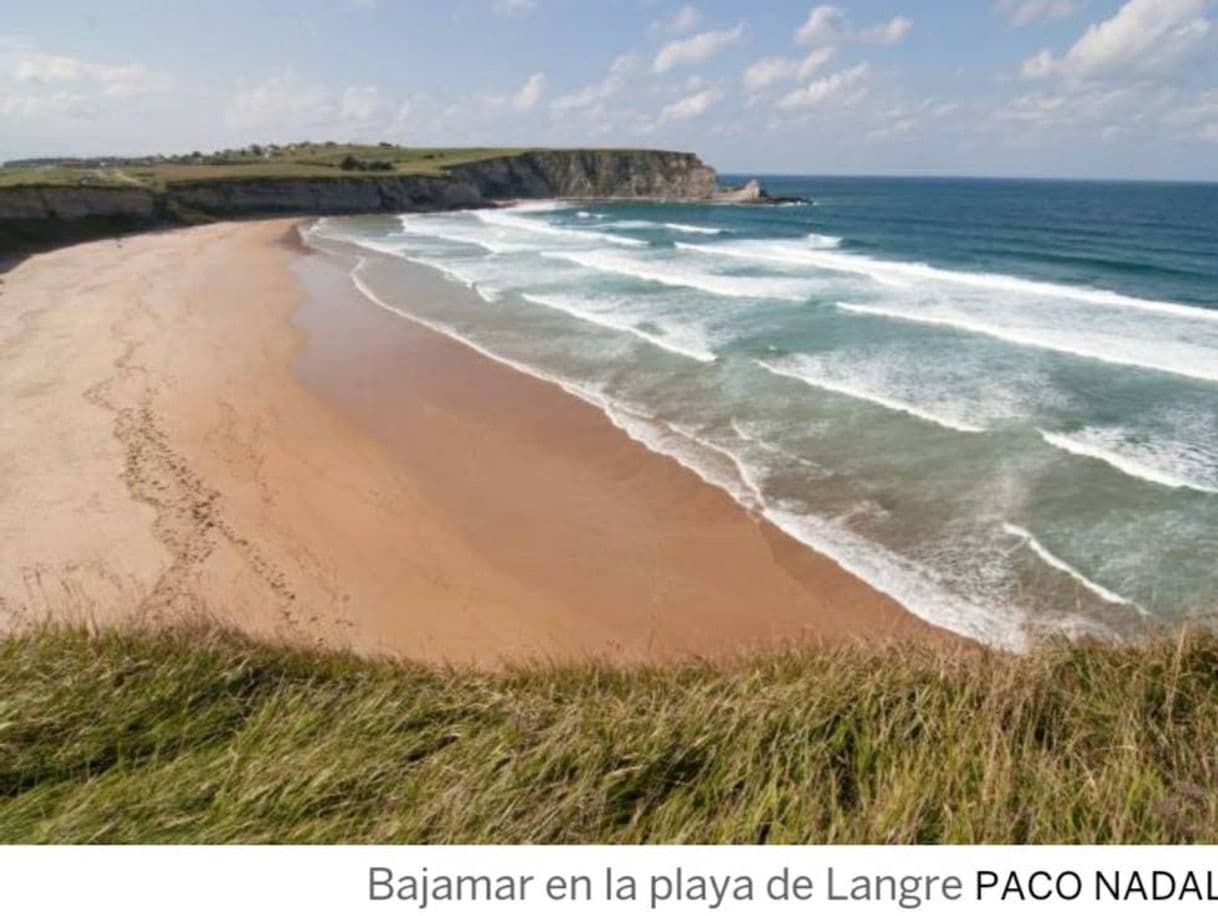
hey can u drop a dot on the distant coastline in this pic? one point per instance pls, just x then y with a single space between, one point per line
44 203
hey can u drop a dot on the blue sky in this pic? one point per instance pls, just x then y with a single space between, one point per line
1087 88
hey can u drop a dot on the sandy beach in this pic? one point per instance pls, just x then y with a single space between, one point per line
212 421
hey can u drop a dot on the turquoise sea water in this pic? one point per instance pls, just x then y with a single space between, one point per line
995 400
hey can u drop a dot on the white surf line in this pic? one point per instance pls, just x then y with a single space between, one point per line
696 230
648 224
1123 464
792 290
1026 340
882 400
899 272
585 395
913 587
655 435
502 220
1061 565
702 356
745 473
760 443
823 241
896 577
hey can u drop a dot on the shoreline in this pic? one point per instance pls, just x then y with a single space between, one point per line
362 481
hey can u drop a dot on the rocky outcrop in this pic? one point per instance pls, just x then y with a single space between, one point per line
751 192
748 193
37 215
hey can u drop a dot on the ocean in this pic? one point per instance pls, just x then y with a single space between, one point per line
994 400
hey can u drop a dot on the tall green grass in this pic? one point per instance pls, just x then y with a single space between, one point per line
201 736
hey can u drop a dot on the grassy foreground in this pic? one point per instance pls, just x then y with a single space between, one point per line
201 736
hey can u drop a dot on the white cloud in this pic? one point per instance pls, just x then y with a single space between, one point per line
26 66
602 91
690 107
360 103
1084 108
893 128
828 25
41 105
681 21
770 70
696 49
1202 111
1143 36
845 87
283 99
1039 65
824 25
1025 12
888 33
509 8
767 71
284 105
530 93
813 62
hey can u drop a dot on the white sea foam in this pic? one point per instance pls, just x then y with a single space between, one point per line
582 392
694 230
673 272
823 241
910 584
712 465
485 291
1145 352
907 582
811 373
632 224
757 440
942 592
1059 564
614 315
451 231
750 478
672 227
539 206
1149 462
505 220
902 273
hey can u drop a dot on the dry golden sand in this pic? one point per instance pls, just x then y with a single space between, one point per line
211 421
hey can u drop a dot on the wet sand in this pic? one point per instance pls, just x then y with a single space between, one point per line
212 421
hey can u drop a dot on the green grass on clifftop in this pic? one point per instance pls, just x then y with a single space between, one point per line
296 160
206 737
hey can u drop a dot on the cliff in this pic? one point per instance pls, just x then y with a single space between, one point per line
55 213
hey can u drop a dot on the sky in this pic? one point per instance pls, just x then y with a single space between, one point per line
1043 88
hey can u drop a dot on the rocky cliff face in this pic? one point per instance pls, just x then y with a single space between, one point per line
258 197
76 202
541 174
593 174
40 216
49 214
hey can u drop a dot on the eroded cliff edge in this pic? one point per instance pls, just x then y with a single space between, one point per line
36 215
